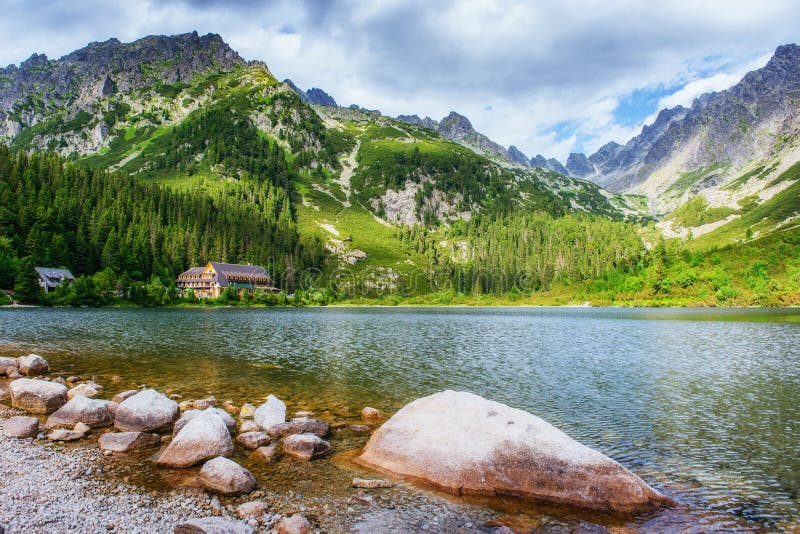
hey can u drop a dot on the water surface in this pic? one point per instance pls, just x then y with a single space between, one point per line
704 404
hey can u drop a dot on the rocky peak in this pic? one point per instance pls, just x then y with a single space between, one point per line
98 69
517 156
312 96
320 97
579 165
551 164
605 153
427 122
456 127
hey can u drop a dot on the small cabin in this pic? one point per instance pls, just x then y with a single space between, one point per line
50 278
210 281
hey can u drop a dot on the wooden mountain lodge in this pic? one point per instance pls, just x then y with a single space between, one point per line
210 281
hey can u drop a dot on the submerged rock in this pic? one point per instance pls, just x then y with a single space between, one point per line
252 440
300 425
462 443
83 389
146 411
128 441
213 525
251 509
33 364
203 438
226 477
80 409
270 413
371 483
37 396
267 454
21 426
63 434
305 446
371 415
296 524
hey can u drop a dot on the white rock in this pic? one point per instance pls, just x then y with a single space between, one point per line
80 409
33 364
203 438
226 477
37 396
83 389
270 413
465 444
146 411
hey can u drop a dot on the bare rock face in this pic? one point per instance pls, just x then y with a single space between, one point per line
32 365
305 446
146 411
462 443
128 441
21 427
300 425
253 440
203 438
213 525
226 477
37 396
270 413
296 524
8 366
80 409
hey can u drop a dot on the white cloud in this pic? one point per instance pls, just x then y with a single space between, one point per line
517 69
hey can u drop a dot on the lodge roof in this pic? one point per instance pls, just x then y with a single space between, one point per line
53 277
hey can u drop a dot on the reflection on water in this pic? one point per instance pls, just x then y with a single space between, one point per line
705 406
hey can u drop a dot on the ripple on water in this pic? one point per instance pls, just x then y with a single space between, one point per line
705 406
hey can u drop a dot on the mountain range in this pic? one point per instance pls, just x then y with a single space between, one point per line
130 107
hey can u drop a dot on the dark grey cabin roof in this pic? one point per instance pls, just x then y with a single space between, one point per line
53 277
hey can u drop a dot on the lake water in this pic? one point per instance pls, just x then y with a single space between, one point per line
703 404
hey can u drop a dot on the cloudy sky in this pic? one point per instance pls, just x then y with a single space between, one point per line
550 77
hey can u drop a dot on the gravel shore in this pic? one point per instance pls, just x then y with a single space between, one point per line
46 487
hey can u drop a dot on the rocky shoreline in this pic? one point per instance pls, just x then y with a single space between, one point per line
73 462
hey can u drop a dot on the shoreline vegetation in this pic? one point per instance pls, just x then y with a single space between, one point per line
132 239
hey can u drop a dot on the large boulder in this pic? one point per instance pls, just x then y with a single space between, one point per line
147 411
128 441
305 446
37 396
81 409
33 364
270 413
300 425
203 438
226 477
8 365
188 415
21 427
462 443
213 525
